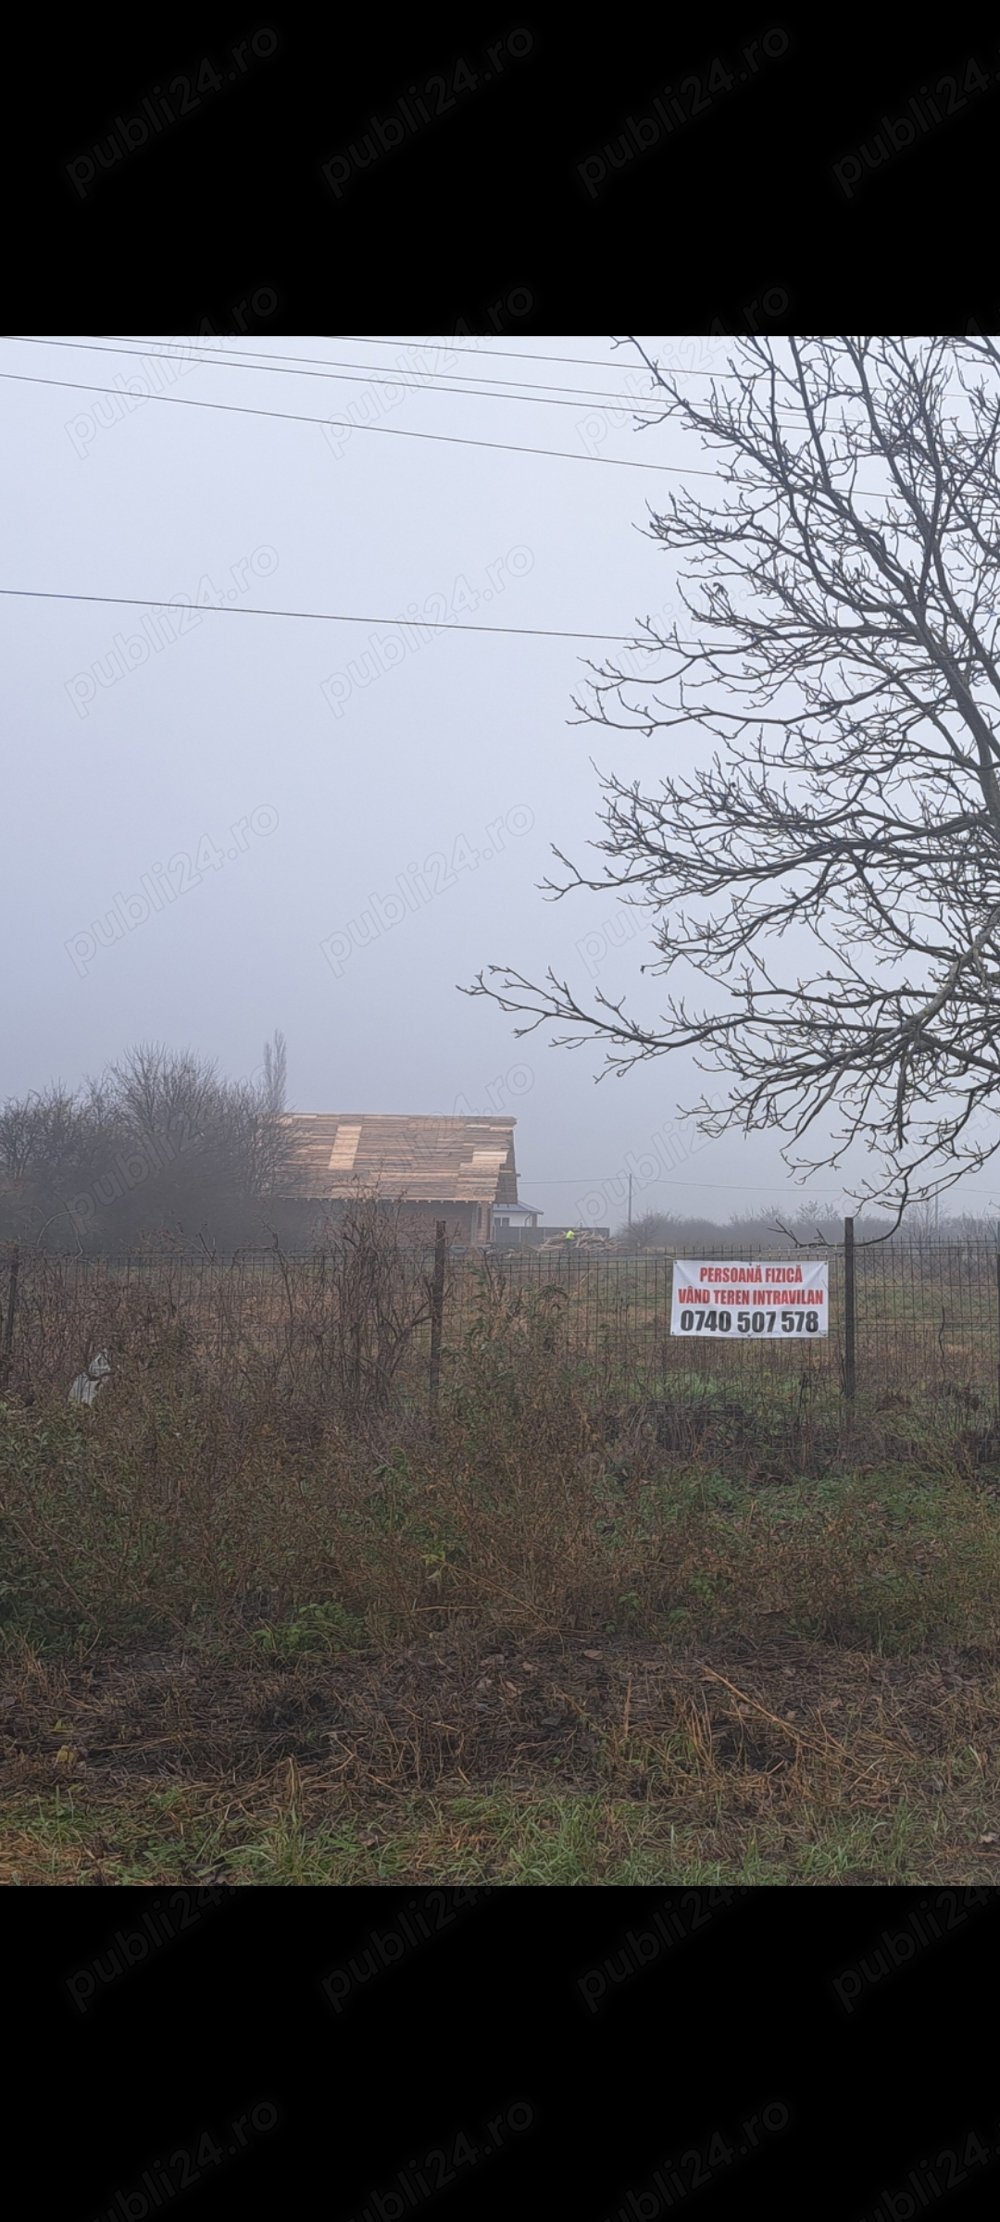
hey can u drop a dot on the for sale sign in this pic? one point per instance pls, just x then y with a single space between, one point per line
744 1302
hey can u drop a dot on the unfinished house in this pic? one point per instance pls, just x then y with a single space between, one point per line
456 1169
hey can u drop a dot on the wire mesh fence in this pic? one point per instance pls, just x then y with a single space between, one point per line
927 1319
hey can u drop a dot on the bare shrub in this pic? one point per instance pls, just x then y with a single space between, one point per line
379 1297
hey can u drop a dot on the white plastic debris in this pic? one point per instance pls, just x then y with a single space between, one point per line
84 1389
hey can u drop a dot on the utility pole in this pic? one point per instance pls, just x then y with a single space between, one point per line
630 1199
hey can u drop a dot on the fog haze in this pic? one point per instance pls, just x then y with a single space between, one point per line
334 779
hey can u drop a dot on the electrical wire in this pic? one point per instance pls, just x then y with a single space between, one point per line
348 375
518 354
324 617
297 365
583 1180
341 424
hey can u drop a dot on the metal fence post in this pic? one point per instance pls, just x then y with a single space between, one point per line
11 1308
998 1315
849 1312
437 1311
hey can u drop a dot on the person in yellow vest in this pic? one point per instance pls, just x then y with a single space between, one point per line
570 1235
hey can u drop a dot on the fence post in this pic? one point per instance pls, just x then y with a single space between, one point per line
998 1316
849 1314
437 1311
8 1325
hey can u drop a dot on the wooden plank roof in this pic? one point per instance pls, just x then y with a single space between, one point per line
424 1160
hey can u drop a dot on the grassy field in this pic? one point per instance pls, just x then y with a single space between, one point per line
253 1631
927 1317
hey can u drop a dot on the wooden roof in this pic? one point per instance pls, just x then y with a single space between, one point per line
424 1160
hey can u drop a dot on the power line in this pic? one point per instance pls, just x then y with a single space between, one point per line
519 354
266 355
346 375
297 366
323 617
345 424
342 424
738 1187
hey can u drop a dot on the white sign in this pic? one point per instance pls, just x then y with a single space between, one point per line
744 1302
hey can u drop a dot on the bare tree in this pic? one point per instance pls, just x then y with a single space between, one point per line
210 1143
159 1142
753 1229
275 1081
170 1097
841 651
18 1140
54 1143
39 1130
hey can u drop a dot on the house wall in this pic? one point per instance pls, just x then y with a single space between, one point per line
464 1223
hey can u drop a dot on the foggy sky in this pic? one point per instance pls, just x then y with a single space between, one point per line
351 908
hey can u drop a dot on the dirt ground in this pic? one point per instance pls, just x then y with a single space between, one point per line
759 1755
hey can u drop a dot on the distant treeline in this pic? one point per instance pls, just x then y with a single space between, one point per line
160 1149
158 1146
668 1230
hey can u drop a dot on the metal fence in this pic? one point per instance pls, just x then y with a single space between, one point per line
905 1320
926 1318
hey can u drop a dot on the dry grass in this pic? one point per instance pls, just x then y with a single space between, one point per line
257 1626
613 1761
